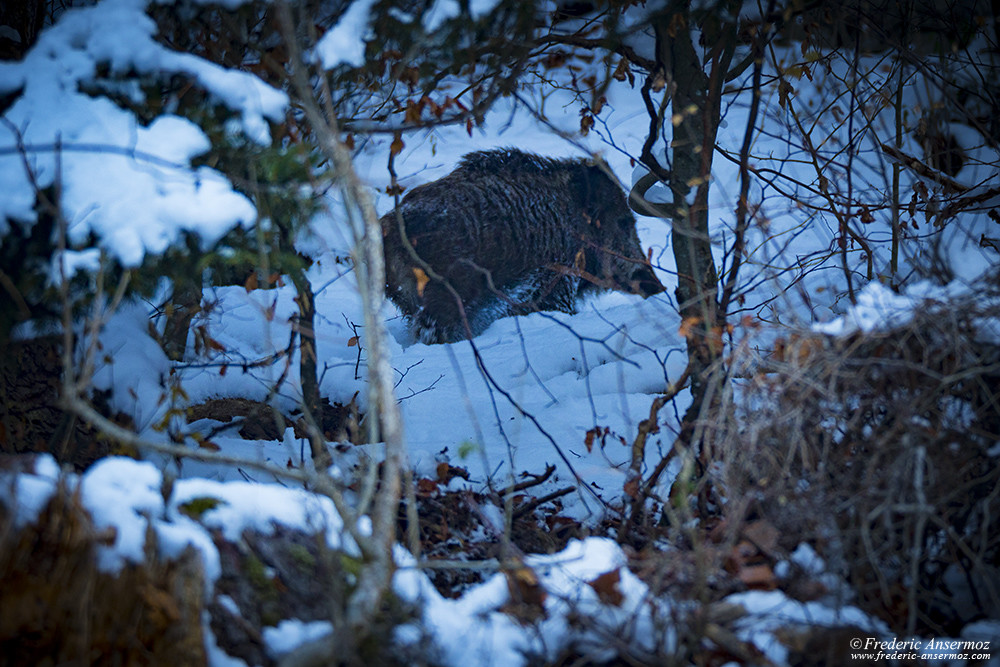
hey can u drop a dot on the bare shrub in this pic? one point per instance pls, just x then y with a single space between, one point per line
879 449
60 608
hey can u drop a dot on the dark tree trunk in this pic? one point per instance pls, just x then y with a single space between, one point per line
183 306
308 378
695 110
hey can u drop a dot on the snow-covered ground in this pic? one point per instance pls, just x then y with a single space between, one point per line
540 382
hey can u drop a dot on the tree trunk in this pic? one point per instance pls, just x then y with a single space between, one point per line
312 406
695 107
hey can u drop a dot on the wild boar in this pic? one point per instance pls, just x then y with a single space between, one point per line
509 233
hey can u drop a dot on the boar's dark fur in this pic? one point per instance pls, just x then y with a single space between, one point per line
509 233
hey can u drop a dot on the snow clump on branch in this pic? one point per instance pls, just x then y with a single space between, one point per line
130 184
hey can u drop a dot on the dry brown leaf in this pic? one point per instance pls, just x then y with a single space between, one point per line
426 486
527 596
621 71
741 554
422 280
606 587
763 535
447 472
687 326
213 344
760 577
397 144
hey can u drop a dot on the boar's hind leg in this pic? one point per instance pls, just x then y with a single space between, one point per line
440 319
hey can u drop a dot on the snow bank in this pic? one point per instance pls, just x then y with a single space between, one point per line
589 595
127 496
472 630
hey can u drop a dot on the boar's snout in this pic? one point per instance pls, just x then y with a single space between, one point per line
645 282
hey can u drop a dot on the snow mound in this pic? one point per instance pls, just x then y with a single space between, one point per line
131 185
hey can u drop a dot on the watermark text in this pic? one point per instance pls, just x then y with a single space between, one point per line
871 649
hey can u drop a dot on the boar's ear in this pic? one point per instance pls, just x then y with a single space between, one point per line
593 182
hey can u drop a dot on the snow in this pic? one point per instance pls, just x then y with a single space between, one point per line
471 628
126 496
879 309
70 262
345 42
292 633
984 630
440 11
599 368
771 610
31 490
216 656
135 367
810 564
129 184
258 507
552 376
122 494
443 10
806 558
